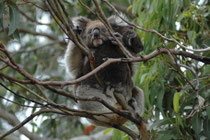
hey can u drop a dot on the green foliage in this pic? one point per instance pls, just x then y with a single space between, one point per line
14 18
119 135
1 14
169 98
160 83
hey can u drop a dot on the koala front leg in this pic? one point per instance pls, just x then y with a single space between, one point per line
120 94
132 41
120 100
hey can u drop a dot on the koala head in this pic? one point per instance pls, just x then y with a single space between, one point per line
130 37
96 33
93 32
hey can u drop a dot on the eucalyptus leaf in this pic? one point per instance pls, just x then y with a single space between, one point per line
176 101
161 122
117 135
208 112
206 127
179 19
196 124
107 130
1 14
14 18
191 35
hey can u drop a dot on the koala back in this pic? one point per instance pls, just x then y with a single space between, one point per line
86 91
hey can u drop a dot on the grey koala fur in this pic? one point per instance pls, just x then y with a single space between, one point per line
119 90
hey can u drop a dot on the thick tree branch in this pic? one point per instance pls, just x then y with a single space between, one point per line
13 65
75 113
88 114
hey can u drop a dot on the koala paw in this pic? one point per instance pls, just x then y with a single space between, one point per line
134 108
118 36
129 38
132 41
110 91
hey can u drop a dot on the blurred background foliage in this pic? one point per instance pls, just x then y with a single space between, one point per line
37 44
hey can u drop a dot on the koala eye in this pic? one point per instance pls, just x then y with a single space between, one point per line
131 27
89 31
115 27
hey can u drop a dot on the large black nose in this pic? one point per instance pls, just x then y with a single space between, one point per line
96 32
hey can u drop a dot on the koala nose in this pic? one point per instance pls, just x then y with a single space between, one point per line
96 32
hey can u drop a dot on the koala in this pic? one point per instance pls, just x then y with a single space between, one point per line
119 90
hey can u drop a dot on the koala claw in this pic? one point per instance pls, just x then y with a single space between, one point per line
130 37
134 109
118 36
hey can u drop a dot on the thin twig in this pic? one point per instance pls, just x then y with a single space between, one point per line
174 61
37 48
31 19
202 78
31 91
87 8
26 1
52 37
18 95
66 14
20 104
194 73
192 113
14 79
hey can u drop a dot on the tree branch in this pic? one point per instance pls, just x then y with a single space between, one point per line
52 37
109 61
29 50
12 120
31 19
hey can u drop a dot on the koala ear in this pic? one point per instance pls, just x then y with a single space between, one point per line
116 20
112 19
80 24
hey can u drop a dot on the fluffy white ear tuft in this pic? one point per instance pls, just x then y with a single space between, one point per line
80 22
114 19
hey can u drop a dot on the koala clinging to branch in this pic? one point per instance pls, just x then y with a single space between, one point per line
119 90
